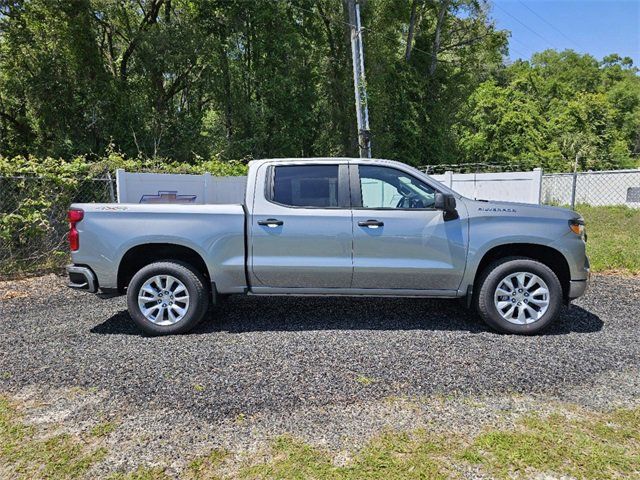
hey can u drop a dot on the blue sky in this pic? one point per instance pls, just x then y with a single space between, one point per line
598 27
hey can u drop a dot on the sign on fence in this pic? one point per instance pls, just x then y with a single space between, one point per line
179 188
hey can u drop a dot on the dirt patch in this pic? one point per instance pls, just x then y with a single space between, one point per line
30 287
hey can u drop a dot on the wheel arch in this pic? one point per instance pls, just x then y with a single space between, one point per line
141 255
549 256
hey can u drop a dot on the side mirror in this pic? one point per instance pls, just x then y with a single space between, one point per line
445 202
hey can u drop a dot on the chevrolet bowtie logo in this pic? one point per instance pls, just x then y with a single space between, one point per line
168 197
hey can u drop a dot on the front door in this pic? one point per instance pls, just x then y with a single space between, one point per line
400 241
301 228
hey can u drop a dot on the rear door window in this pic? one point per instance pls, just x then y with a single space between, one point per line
306 186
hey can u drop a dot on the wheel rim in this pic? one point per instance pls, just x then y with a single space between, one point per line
522 298
163 300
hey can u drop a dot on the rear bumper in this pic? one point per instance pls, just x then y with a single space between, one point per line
82 278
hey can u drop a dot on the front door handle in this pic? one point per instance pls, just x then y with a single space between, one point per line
371 223
270 222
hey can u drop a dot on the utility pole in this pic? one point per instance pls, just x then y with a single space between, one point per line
359 82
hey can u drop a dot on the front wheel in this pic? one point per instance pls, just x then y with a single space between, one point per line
167 297
519 295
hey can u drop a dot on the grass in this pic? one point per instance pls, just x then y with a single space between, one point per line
579 444
613 238
206 467
586 446
606 446
25 455
142 473
389 456
103 429
364 380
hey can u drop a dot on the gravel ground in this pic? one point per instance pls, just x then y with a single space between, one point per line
333 371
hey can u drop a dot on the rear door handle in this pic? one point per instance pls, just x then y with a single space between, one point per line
371 223
270 222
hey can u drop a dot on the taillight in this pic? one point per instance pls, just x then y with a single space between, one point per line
74 216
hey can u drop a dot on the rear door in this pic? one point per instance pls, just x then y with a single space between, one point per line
301 227
400 241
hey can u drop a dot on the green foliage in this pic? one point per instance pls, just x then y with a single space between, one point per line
103 429
573 443
38 191
203 467
558 109
80 167
142 473
229 79
173 78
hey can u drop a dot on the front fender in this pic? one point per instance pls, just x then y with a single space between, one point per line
486 233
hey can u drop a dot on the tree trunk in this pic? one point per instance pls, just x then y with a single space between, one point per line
412 26
226 81
338 105
150 18
444 6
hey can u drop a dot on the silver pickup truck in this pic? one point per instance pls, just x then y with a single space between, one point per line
332 226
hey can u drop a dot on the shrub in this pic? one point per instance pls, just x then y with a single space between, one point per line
36 192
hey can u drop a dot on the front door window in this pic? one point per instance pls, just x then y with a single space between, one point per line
388 188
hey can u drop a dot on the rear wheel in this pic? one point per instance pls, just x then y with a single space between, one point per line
167 297
519 295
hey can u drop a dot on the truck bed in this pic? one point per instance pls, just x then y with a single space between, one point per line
109 231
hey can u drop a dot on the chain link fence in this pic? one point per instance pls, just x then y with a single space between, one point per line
595 188
613 187
33 220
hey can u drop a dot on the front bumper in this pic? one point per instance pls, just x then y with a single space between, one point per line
82 278
577 288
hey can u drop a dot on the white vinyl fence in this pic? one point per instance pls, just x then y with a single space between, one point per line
179 188
507 186
615 187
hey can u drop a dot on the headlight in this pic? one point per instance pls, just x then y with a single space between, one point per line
577 226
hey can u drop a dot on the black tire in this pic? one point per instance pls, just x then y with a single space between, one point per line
195 285
495 273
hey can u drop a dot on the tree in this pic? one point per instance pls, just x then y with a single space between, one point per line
559 107
234 79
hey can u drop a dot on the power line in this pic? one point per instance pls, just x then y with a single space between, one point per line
525 45
519 52
525 25
575 44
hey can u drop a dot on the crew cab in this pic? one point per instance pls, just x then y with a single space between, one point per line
332 226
